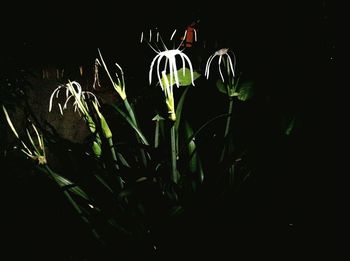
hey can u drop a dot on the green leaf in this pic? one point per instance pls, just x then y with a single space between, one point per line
176 210
64 182
221 86
101 180
245 91
290 127
184 77
132 124
123 160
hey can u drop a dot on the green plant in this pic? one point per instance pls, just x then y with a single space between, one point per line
129 187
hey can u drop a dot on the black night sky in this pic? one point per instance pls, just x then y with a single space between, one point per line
289 49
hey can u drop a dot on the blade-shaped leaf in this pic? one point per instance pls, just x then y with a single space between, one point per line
245 91
64 183
132 124
290 127
221 86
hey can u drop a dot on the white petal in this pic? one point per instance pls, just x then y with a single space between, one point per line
191 68
219 62
151 68
207 67
158 70
141 37
231 66
37 135
171 38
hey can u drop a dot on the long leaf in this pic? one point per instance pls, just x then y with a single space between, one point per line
65 183
128 119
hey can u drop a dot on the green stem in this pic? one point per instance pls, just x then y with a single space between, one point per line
130 112
133 119
114 157
201 128
227 128
228 121
174 175
156 135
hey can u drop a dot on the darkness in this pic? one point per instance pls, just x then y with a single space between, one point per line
290 50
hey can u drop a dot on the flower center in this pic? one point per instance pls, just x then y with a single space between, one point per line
222 51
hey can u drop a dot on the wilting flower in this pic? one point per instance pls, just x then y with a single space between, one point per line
96 76
167 58
224 55
37 149
74 91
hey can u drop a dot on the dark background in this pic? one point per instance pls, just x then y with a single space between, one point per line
289 49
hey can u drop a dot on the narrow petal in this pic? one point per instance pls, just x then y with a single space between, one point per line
191 68
29 155
158 71
219 63
151 68
31 140
25 146
231 66
182 41
183 65
60 107
207 67
37 135
171 38
66 102
10 122
174 67
141 37
51 98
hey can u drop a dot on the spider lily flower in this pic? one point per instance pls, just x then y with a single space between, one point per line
167 59
37 149
170 65
224 56
119 86
74 91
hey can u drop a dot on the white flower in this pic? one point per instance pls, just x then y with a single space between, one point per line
228 64
170 66
167 59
